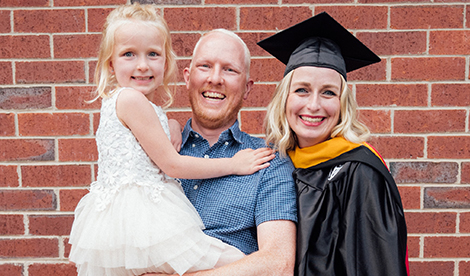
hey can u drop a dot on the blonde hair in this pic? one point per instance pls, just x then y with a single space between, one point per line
146 14
280 135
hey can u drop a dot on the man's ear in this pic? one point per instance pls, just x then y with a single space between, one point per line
186 73
249 85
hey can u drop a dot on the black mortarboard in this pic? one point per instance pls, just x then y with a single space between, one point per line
319 41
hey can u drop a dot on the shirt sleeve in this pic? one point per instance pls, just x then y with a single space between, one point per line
276 197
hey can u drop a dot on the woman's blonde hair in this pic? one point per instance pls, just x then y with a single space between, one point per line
146 14
280 135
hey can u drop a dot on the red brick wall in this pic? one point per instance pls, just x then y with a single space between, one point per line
415 102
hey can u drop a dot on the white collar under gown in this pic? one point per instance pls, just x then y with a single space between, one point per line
136 219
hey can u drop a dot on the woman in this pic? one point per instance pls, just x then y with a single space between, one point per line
351 219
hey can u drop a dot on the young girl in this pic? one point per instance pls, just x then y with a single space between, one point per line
136 218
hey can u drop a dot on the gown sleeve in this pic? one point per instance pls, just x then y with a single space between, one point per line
352 224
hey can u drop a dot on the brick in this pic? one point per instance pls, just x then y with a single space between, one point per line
450 94
317 1
46 124
50 72
49 21
358 17
438 42
378 121
67 248
200 19
456 147
25 46
260 74
181 117
50 225
78 150
399 147
465 173
427 121
11 225
26 149
428 68
24 3
464 268
180 98
413 247
260 95
251 39
467 15
424 172
169 2
391 94
56 175
25 98
447 197
6 72
410 197
70 198
76 46
442 222
391 1
73 3
5 26
91 70
8 176
56 269
76 97
7 124
432 268
243 2
183 43
267 18
11 269
252 121
374 72
22 200
426 17
446 247
96 122
96 18
23 248
394 43
464 225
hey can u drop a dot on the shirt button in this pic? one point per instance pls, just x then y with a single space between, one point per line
226 143
206 156
197 136
193 145
195 187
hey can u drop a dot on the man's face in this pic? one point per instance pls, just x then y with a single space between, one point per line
217 81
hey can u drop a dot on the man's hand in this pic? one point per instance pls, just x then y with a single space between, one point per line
175 134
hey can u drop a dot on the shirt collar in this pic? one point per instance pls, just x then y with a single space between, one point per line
233 132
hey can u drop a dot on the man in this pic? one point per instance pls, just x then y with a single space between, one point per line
255 213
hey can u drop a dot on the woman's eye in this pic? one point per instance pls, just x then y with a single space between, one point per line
329 93
301 90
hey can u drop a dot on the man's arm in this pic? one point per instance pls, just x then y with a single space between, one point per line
276 255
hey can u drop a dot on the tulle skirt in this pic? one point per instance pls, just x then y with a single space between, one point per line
135 235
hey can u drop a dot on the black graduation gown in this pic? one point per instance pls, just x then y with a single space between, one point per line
353 223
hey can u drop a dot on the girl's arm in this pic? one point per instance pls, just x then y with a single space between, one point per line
136 113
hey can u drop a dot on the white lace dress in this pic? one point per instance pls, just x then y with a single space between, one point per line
136 219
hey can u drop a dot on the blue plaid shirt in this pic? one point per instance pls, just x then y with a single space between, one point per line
231 207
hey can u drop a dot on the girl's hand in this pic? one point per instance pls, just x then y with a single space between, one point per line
249 161
175 134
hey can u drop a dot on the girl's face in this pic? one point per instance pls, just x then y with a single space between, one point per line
313 104
138 58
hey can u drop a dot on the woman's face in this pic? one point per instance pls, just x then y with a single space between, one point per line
313 104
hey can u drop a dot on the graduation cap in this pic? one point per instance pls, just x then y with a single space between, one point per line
319 41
